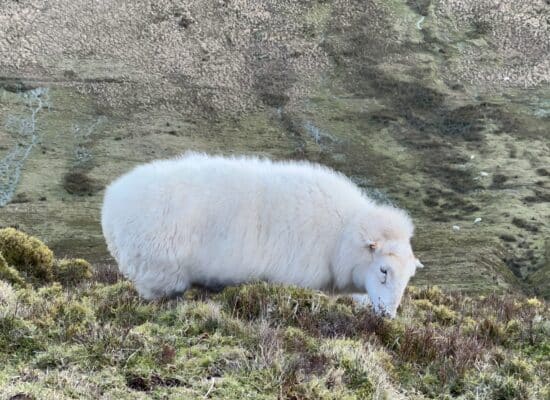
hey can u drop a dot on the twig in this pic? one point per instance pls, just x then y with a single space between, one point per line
210 389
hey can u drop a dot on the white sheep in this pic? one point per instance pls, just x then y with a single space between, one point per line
216 221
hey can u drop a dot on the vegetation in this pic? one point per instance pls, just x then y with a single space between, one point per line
69 337
28 254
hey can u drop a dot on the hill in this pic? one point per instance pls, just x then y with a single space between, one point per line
437 106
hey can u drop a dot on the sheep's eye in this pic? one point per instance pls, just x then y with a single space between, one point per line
385 272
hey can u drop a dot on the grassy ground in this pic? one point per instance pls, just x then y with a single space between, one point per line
65 333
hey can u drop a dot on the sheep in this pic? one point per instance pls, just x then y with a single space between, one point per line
216 221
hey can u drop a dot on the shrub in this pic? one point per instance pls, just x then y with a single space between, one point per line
357 379
120 304
492 331
72 271
10 274
439 313
295 339
257 300
431 293
17 338
509 388
519 368
27 254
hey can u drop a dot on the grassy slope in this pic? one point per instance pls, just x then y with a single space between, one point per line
363 87
94 338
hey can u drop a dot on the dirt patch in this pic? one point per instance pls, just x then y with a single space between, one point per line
148 383
538 196
507 237
273 79
446 205
523 224
420 6
499 180
77 182
15 86
22 396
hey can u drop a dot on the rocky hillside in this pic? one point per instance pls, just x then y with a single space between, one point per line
440 107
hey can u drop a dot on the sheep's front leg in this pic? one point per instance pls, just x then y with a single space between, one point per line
362 300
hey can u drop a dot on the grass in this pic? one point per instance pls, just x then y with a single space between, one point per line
72 336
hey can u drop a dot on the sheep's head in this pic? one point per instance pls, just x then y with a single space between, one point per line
385 277
376 249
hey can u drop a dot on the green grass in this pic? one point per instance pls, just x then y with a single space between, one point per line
78 337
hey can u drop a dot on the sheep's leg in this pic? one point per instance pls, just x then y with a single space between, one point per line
153 288
148 293
362 300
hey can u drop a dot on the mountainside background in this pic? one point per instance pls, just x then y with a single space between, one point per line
440 107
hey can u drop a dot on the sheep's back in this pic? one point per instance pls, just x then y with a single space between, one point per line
229 220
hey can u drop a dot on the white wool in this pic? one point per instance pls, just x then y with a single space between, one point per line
213 221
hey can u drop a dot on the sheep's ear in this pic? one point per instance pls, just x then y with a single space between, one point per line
418 264
372 245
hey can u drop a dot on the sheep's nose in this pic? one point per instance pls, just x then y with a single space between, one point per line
388 312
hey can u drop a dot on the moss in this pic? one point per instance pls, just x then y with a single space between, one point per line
58 356
72 271
51 292
27 254
391 333
74 318
202 318
513 329
350 357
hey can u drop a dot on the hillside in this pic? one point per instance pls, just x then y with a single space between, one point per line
65 334
440 107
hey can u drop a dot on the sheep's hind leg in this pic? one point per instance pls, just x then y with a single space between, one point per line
170 289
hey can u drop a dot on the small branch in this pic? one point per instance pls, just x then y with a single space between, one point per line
210 389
